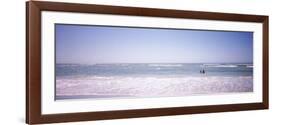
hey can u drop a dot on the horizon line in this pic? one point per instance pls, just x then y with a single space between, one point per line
166 63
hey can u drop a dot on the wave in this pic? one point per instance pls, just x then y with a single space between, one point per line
227 65
165 65
220 65
249 66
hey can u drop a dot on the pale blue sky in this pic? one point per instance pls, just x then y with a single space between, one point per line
105 44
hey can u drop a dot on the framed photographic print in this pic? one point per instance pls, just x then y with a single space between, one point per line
94 62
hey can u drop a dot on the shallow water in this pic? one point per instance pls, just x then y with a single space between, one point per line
75 81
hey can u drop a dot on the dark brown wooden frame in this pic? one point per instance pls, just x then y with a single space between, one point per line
33 61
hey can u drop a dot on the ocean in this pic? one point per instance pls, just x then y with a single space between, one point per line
143 80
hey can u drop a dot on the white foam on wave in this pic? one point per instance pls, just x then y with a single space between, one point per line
152 86
227 65
165 65
220 65
249 66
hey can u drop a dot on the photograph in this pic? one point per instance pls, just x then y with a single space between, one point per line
113 62
98 62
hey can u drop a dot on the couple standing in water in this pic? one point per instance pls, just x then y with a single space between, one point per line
202 71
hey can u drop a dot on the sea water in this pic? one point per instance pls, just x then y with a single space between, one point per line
139 80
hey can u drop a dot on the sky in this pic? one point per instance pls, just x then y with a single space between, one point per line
86 44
